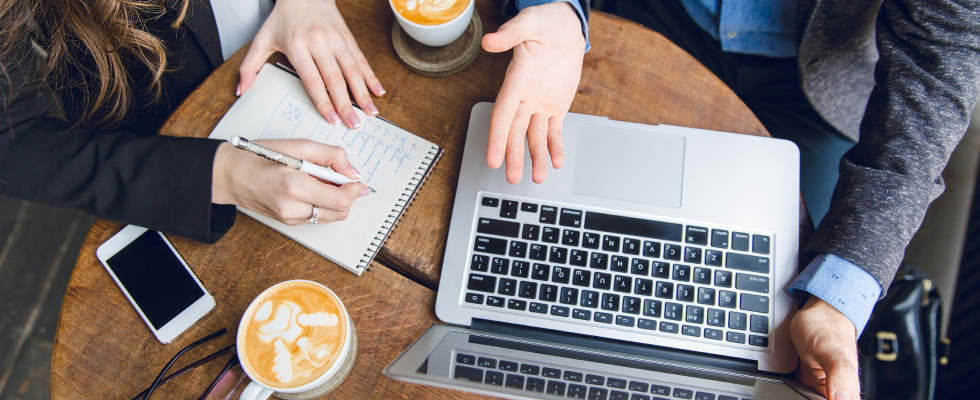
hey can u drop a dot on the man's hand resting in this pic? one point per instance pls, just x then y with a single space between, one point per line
827 343
538 89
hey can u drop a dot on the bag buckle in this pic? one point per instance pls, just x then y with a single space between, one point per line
887 346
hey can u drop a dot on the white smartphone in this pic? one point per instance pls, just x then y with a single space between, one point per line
156 280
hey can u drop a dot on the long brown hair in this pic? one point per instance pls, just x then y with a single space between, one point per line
75 36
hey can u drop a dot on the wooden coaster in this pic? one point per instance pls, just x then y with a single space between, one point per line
439 61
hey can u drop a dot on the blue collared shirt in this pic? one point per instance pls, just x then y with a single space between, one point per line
759 27
522 4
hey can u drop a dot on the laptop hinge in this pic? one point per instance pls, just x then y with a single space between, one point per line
620 346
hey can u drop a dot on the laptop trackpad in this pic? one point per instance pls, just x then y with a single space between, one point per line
627 165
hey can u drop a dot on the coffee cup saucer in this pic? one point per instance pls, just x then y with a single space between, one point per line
441 61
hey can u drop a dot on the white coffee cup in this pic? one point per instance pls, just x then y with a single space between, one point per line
258 391
436 35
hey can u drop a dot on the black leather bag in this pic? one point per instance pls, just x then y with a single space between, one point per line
900 347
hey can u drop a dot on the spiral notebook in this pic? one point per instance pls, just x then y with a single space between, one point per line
391 160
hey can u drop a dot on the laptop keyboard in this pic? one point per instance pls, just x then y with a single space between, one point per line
537 377
661 277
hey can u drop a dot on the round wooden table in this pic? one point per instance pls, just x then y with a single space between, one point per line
102 348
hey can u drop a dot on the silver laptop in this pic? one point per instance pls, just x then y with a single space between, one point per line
652 265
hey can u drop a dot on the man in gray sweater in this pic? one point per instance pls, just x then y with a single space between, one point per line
880 91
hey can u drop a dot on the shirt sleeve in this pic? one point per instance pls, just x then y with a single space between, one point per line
522 4
842 284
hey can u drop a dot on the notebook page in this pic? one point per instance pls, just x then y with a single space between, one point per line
389 159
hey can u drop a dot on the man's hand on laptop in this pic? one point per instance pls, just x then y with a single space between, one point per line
538 89
827 343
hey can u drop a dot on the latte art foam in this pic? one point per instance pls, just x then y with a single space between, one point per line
293 336
430 12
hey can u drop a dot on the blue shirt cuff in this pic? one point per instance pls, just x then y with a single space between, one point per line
845 286
522 4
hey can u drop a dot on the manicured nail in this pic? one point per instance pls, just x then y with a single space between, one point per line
372 109
355 171
840 395
381 91
333 117
354 121
238 90
365 192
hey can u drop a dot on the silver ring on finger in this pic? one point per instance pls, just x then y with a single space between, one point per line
315 211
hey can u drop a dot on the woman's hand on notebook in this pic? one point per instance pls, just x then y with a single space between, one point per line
280 192
314 37
827 344
538 89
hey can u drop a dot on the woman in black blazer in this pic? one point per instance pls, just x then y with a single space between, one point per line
85 86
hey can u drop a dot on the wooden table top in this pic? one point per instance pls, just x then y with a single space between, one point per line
102 349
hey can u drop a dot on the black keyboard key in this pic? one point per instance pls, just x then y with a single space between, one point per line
723 397
528 290
696 235
578 258
681 273
599 260
569 237
735 337
619 264
577 391
595 380
482 283
548 293
641 387
760 244
610 302
560 311
713 334
468 374
704 396
572 218
486 362
665 290
631 246
702 276
529 207
752 283
719 238
740 241
759 323
515 304
572 376
643 287
651 249
500 266
647 324
518 249
692 255
726 299
694 315
716 317
495 301
616 383
474 298
660 269
706 296
531 232
535 385
490 245
549 215
632 305
610 243
598 393
510 204
550 235
494 378
652 308
685 293
757 340
568 295
637 396
590 299
683 393
465 359
581 278
673 252
688 330
660 390
558 255
490 202
508 212
668 327
538 252
623 320
737 320
751 302
746 262
497 227
521 269
480 263
528 369
623 284
540 272
591 240
713 258
538 308
618 395
507 287
555 388
630 226
508 366
514 381
640 267
723 278
673 311
605 318
551 373
602 280
579 313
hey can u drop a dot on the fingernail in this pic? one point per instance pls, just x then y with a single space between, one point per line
334 117
355 171
238 90
372 109
354 121
842 395
379 89
365 192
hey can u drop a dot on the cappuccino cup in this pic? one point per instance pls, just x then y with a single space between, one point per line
295 339
433 22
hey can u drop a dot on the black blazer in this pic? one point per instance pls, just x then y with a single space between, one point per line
126 174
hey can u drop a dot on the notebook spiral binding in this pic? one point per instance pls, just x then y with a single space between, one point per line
401 204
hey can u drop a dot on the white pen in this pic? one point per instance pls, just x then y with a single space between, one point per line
321 172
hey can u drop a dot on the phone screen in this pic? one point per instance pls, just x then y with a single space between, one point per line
155 278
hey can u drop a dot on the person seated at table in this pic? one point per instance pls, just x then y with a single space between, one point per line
900 80
86 84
